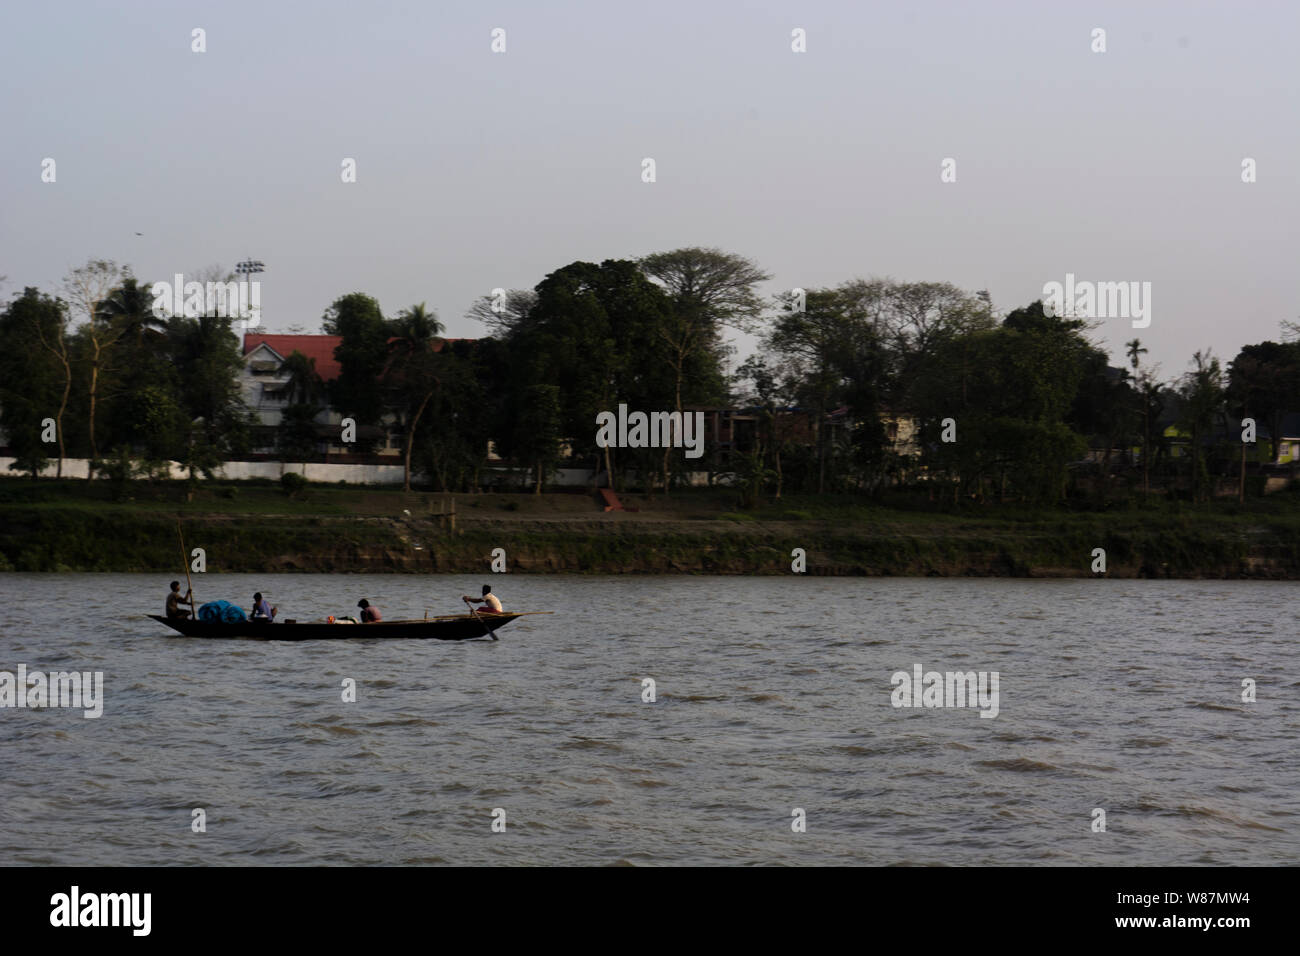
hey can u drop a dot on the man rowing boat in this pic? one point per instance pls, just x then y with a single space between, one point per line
174 601
489 601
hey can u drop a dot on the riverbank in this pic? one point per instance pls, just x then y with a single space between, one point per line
75 526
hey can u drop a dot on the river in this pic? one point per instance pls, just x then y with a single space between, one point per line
773 695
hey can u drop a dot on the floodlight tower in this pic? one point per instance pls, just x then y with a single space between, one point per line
248 268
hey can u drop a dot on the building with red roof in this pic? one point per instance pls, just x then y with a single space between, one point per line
319 348
265 385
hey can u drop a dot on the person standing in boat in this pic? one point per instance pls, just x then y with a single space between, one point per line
262 610
174 601
488 600
368 613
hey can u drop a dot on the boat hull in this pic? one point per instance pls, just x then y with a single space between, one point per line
457 628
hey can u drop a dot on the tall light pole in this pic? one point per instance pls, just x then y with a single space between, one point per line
247 269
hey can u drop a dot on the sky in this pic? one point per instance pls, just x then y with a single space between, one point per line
478 169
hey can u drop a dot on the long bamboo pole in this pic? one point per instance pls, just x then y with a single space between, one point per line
185 559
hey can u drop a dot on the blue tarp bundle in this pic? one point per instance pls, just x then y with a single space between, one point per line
221 612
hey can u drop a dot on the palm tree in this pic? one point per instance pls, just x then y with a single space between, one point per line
1135 351
412 370
131 307
304 386
135 354
415 327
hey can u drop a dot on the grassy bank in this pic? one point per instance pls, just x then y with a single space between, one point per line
79 526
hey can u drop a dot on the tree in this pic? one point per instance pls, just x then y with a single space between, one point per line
142 364
128 309
35 376
1135 351
304 385
155 423
715 287
537 437
1202 393
1264 383
206 355
766 391
709 289
911 319
503 316
412 373
87 288
887 333
806 339
1105 410
358 391
749 474
593 333
834 357
296 435
1007 392
451 438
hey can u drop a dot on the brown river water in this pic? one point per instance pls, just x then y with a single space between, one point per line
773 695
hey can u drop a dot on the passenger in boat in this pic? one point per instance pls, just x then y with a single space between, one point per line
489 600
368 613
174 601
262 611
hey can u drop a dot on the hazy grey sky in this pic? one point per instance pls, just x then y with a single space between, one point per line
478 169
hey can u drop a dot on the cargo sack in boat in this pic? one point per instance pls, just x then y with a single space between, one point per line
221 612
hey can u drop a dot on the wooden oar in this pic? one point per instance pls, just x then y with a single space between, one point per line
473 610
185 559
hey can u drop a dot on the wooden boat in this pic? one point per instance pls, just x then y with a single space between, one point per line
455 627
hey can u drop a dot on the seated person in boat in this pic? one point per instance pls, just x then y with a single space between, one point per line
174 601
368 613
262 610
489 601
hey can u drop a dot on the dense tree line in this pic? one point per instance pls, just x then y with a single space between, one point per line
122 387
1004 406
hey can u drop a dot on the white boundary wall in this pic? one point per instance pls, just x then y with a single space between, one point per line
353 474
239 470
